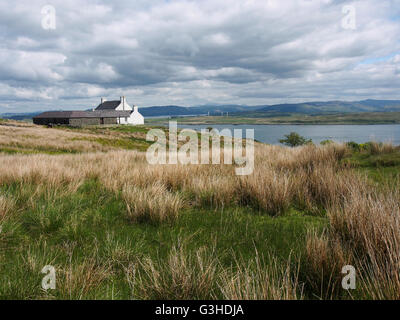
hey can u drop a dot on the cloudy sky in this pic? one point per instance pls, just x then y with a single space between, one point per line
67 54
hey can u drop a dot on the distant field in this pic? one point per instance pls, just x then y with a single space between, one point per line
264 118
86 201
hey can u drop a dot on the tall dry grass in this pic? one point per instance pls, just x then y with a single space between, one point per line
33 138
363 220
7 206
371 223
363 232
381 148
261 280
151 204
182 276
308 176
322 266
195 275
267 191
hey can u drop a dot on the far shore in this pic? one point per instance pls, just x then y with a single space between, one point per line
367 118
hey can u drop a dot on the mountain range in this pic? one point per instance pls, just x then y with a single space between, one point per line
307 108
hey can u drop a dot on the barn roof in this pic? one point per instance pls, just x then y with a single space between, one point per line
84 114
108 105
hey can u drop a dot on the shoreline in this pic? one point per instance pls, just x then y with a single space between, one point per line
275 124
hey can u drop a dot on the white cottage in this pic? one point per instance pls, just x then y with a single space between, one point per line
132 117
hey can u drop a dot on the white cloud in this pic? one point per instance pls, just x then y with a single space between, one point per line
192 52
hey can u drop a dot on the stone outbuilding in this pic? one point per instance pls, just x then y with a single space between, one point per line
107 112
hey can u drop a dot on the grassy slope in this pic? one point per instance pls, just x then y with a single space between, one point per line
66 231
265 118
90 225
85 234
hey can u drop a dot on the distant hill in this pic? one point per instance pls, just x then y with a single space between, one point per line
308 108
193 111
19 116
334 107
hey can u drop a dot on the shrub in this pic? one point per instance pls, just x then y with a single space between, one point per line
294 139
373 148
325 142
354 146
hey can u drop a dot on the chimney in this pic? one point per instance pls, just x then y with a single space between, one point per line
135 109
122 99
103 100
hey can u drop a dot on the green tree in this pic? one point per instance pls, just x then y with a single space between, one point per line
325 142
294 139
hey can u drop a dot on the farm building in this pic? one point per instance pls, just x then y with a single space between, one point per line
108 112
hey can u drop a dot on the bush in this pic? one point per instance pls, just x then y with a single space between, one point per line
373 148
354 146
326 142
294 139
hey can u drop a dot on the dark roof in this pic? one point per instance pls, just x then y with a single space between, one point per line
84 114
108 105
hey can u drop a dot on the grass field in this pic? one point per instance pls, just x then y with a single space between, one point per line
265 118
86 201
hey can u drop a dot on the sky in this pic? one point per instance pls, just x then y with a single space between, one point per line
68 54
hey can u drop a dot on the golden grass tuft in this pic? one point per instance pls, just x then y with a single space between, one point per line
381 148
181 277
364 232
267 191
324 259
7 206
363 228
151 204
78 280
259 280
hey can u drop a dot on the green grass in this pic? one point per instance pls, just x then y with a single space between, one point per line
127 143
109 128
381 168
88 238
92 223
24 150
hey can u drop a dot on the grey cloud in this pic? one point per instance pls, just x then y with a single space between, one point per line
191 52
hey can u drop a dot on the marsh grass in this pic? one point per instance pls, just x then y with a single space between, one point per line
181 277
7 207
261 279
153 204
196 275
111 223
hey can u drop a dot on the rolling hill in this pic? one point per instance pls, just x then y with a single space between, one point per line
305 108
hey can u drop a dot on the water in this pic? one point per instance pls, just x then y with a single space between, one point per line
340 133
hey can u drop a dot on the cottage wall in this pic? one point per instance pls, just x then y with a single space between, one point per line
110 120
115 112
135 118
47 121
